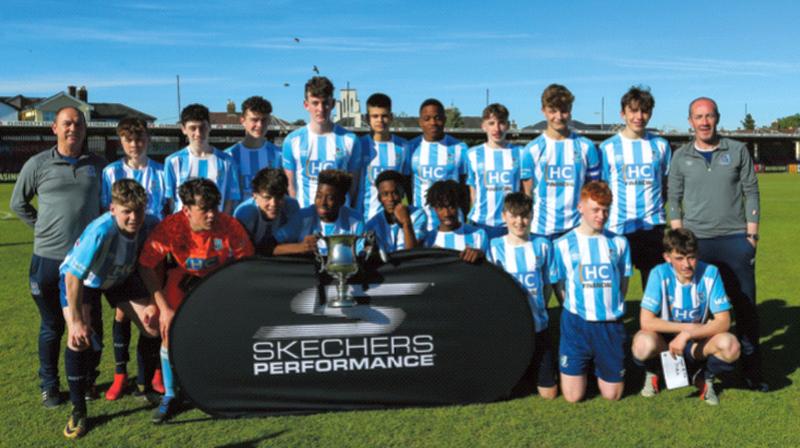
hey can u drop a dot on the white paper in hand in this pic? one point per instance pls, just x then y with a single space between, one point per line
675 374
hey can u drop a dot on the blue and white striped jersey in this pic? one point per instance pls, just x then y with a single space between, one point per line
459 239
560 168
493 173
251 161
150 177
530 264
692 302
378 157
592 268
217 167
430 162
257 226
636 171
306 222
306 154
390 236
102 256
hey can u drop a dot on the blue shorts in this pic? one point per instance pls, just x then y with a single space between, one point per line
601 343
131 289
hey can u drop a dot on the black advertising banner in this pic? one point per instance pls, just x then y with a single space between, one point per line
429 329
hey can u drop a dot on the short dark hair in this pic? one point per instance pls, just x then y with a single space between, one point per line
194 112
431 102
389 175
702 98
63 108
498 110
257 104
129 193
444 193
518 204
557 97
638 95
199 188
681 241
379 100
338 179
272 181
130 127
320 87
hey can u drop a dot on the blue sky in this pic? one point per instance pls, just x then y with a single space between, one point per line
130 51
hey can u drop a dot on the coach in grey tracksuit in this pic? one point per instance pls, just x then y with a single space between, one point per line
67 181
713 191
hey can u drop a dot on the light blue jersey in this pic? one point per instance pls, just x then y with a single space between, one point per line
560 168
493 173
377 158
390 236
257 226
530 264
252 160
151 177
592 268
432 162
217 167
664 296
463 237
306 222
635 170
102 256
306 154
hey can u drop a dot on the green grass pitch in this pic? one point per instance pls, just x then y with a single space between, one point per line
673 418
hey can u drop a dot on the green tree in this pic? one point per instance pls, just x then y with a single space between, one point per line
788 122
454 119
748 123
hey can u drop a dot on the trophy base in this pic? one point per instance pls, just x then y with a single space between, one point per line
345 302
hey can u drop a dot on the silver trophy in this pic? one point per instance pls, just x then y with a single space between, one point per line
342 263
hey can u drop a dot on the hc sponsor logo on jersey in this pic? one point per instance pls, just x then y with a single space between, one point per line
558 173
596 272
432 172
689 315
375 171
528 280
499 177
637 171
315 166
198 264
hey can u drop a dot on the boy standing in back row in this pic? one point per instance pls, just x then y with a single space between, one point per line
320 145
255 151
562 162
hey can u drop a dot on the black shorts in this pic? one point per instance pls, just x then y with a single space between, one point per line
544 360
131 289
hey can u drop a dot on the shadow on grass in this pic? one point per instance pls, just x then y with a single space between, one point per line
253 442
100 420
780 354
18 243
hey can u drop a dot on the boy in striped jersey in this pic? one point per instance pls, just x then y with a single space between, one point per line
320 145
635 164
443 198
530 263
381 151
135 164
200 159
328 216
685 310
592 270
103 261
434 156
495 169
255 151
561 162
396 226
267 210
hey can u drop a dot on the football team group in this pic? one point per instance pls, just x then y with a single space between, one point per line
561 215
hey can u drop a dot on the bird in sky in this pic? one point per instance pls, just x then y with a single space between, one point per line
297 39
316 70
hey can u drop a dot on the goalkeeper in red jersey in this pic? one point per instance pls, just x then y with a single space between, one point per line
198 239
